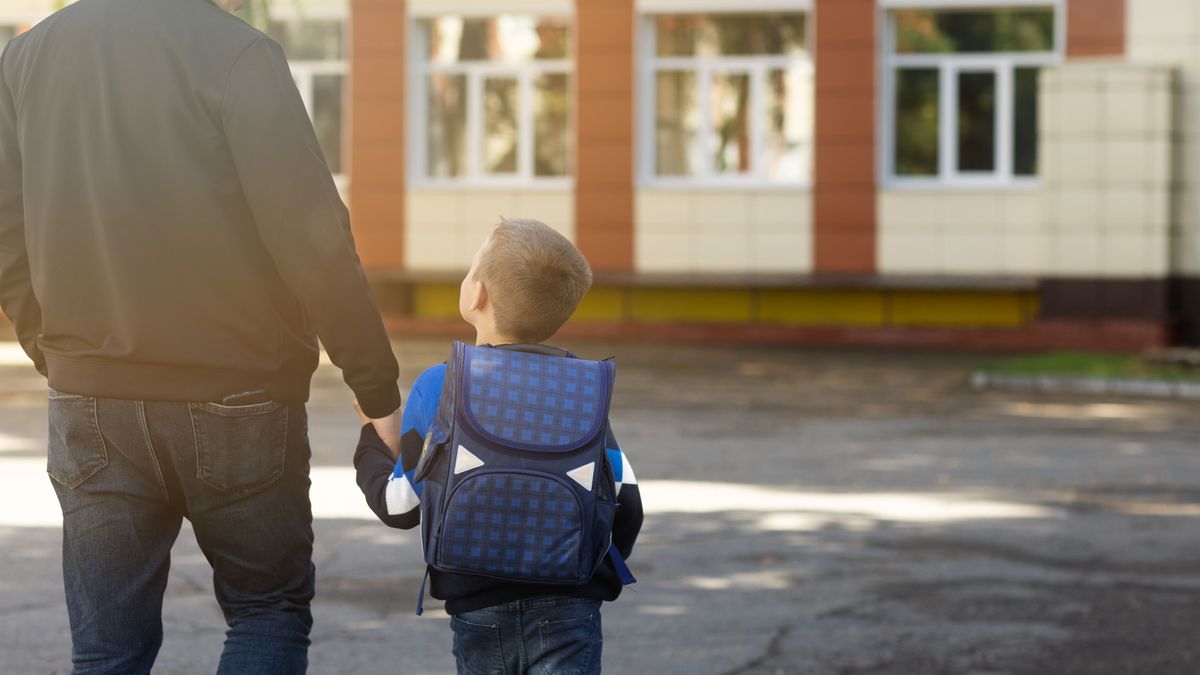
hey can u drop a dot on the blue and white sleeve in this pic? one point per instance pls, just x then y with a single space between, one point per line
628 522
403 494
388 484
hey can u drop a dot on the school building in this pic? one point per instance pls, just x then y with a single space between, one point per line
959 173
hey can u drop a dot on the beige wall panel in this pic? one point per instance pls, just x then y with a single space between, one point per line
723 231
1167 32
960 232
446 226
1106 179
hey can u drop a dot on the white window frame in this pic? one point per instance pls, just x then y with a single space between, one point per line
650 64
524 72
304 72
1002 64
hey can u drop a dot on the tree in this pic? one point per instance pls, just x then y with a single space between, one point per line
257 13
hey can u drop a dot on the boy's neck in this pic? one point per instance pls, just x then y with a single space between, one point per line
490 338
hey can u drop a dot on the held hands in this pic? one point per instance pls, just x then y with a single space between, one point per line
388 428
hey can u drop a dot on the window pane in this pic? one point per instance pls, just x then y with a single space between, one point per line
916 133
999 30
446 126
510 37
730 34
551 125
676 124
310 39
788 152
500 125
731 123
977 121
327 117
1025 116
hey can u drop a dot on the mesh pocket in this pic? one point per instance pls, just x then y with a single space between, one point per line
513 525
435 467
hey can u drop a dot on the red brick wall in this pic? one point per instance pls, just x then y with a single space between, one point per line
844 184
604 165
1095 28
377 126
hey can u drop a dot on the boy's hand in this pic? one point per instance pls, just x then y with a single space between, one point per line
388 428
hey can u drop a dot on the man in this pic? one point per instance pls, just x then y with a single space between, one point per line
171 246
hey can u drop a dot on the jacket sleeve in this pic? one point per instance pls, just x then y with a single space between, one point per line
388 484
628 522
17 299
303 223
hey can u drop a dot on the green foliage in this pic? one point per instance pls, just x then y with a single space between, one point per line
257 13
923 31
1088 364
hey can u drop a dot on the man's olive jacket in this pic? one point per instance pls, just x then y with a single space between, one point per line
169 229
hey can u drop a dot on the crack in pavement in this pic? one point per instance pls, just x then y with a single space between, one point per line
772 651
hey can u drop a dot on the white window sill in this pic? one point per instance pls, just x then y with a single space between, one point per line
938 184
563 184
694 184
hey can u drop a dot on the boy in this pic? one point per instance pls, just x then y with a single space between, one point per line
524 283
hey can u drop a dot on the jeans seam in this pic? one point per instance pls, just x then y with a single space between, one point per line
522 653
162 482
95 423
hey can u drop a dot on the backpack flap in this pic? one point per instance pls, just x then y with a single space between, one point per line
533 402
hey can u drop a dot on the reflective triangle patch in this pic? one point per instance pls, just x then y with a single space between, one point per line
465 461
583 475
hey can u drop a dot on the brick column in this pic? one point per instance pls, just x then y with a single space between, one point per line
377 126
604 178
844 227
1095 28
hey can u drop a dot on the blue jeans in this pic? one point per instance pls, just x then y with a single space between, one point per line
541 636
127 473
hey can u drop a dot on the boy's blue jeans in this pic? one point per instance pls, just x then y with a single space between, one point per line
541 636
128 472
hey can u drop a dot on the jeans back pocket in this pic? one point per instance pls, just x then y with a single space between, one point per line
239 449
571 639
76 450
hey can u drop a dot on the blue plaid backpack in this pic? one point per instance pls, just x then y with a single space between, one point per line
516 483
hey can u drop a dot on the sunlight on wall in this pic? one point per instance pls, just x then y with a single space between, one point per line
11 354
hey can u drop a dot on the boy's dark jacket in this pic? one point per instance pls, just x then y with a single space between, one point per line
378 472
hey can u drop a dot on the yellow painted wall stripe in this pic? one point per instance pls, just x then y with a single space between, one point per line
665 305
816 307
957 308
435 301
795 307
601 304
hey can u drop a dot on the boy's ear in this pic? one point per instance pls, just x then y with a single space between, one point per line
481 297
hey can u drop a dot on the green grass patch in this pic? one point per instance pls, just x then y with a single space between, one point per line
1092 365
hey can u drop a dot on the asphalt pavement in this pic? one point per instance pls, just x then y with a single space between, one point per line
808 511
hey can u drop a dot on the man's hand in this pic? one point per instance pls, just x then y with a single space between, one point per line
388 428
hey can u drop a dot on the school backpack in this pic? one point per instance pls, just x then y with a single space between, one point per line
516 483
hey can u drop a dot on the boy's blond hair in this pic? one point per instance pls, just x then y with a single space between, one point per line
535 278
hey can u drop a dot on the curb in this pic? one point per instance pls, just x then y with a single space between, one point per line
981 380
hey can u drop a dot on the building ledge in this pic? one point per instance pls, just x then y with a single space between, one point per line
1004 284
